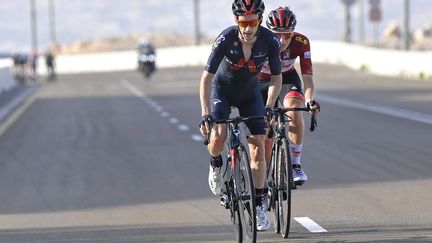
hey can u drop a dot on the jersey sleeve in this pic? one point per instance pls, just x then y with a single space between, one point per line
305 56
274 56
217 53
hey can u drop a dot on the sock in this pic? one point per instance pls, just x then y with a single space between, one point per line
216 162
260 195
296 150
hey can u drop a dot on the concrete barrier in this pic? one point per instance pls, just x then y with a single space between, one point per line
6 80
413 64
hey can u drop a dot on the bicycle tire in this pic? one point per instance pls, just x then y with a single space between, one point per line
245 191
273 189
284 184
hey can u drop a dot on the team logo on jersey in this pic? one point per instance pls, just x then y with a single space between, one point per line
242 63
307 55
302 40
218 41
216 101
260 54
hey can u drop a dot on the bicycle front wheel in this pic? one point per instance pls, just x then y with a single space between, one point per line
272 180
245 191
284 182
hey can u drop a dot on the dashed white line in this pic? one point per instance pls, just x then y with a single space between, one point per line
183 127
197 138
310 225
158 108
173 120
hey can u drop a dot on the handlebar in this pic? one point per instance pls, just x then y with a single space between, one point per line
283 110
235 120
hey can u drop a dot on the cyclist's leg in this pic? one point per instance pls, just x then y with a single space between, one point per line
220 110
268 142
294 98
255 107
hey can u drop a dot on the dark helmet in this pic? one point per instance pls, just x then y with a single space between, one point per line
281 19
244 7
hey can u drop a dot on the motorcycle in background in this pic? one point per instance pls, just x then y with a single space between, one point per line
146 58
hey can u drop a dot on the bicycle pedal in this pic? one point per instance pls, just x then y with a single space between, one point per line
299 183
224 202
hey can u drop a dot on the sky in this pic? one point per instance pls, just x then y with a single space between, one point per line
89 19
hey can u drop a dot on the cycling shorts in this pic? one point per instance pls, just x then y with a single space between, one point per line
291 86
247 99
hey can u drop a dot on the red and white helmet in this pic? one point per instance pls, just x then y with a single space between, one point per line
281 19
245 7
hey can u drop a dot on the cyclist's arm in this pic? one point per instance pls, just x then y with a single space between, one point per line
275 69
205 92
274 90
309 88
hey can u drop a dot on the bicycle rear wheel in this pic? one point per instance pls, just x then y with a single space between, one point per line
245 191
272 175
284 183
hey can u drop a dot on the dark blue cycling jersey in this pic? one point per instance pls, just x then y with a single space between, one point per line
228 62
236 81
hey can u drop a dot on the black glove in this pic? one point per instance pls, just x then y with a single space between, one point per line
269 113
313 105
207 119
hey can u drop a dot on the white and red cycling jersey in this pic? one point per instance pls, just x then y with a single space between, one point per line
298 47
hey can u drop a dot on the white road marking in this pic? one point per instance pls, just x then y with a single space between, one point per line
158 108
173 120
387 110
183 127
197 137
310 225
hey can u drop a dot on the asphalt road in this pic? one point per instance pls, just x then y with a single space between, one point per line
114 158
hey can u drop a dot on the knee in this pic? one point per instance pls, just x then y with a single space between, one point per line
257 146
217 140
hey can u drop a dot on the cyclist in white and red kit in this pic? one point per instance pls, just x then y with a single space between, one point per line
282 22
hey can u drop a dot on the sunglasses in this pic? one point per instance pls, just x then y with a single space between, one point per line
285 35
245 23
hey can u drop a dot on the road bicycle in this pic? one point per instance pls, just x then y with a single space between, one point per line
239 194
280 171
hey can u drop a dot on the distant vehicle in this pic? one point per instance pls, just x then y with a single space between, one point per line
146 58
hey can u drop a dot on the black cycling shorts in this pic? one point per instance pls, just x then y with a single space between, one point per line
247 99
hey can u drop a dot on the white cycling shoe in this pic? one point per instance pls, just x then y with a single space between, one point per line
262 220
299 175
215 180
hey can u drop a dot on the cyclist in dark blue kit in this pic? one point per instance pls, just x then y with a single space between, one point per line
231 79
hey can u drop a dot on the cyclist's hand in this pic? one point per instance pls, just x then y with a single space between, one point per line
269 113
314 106
206 124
